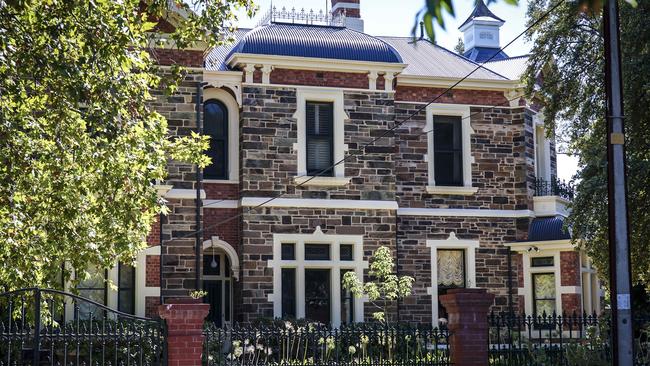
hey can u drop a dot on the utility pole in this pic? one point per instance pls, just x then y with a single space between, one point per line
619 255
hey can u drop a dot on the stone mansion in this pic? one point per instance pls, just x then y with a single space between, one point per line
324 148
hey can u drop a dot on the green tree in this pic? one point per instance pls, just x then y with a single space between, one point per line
569 50
384 287
460 46
80 149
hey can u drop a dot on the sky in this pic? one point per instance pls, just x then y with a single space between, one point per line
396 18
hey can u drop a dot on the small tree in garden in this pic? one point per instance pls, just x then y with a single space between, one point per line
384 286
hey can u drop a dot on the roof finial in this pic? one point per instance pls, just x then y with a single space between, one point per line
421 29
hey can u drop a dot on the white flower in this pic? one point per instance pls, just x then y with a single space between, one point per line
352 350
238 351
250 349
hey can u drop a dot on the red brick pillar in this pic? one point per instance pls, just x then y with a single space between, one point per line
184 318
467 311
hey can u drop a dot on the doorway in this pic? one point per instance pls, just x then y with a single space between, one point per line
217 283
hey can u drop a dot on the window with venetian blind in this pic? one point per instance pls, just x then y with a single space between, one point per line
320 138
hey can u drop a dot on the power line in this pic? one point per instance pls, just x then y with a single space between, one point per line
424 132
382 135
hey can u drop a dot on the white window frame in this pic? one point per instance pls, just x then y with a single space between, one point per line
542 153
459 110
591 292
233 131
335 265
335 96
529 271
452 242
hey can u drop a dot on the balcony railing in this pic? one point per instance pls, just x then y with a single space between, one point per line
554 187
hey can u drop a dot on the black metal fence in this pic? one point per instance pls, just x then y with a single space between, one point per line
559 340
50 327
312 344
554 187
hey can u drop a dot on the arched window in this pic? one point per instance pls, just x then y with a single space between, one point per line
215 125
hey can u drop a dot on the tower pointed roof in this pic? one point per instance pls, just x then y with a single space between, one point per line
481 10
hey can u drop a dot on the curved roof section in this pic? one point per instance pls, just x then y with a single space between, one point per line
548 228
424 58
216 58
299 40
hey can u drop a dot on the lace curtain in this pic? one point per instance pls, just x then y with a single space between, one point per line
451 268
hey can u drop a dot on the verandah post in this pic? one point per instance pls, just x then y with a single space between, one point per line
467 311
184 318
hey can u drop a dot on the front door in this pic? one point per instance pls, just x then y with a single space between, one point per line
217 284
317 295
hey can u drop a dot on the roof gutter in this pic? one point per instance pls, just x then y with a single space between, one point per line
443 82
313 63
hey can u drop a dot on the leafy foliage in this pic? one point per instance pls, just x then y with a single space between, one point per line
80 149
386 287
569 50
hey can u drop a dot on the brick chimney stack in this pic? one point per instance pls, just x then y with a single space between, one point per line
352 11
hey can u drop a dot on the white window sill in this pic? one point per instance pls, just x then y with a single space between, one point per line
322 181
223 181
457 191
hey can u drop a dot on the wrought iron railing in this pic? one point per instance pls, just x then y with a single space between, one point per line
311 344
302 16
50 327
554 187
558 340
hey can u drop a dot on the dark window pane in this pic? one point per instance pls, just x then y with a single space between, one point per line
227 270
542 262
211 264
126 288
215 118
288 252
317 295
347 302
227 300
214 288
288 292
316 252
448 168
346 252
92 288
320 138
447 150
215 125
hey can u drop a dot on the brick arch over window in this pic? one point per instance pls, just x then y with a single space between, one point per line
225 98
216 243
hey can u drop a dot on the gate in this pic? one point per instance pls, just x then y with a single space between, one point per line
50 327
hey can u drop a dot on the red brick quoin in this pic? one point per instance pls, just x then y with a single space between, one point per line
468 326
184 319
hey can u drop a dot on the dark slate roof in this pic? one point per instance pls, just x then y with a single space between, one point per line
424 58
301 40
216 58
482 54
547 228
481 10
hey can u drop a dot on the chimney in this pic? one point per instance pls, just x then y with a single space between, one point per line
352 12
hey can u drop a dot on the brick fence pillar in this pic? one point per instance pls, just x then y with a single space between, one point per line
184 318
467 311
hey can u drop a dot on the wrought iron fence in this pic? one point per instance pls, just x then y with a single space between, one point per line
50 327
312 344
558 340
554 187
